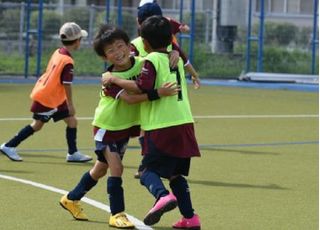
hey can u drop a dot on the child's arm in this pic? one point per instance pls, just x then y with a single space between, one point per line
184 28
128 85
68 90
167 89
177 26
194 75
188 67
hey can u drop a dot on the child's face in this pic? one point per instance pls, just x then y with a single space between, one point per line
118 54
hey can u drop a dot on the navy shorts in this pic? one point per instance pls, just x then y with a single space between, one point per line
44 114
165 166
119 147
57 116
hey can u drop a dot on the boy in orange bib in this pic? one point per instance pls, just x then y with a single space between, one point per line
52 97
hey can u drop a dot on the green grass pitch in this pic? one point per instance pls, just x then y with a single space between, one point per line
258 170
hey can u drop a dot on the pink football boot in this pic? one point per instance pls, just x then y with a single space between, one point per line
164 204
192 223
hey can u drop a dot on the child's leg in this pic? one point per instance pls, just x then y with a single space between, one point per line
113 154
24 133
71 201
137 175
114 183
165 201
9 148
154 184
71 134
180 189
88 181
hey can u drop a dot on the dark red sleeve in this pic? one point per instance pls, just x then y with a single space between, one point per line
67 74
147 78
112 91
133 50
181 53
175 26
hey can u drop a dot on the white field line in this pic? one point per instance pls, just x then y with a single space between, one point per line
199 117
139 224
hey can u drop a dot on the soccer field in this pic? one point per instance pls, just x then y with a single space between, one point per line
258 170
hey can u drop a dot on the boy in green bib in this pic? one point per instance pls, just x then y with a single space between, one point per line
169 140
115 121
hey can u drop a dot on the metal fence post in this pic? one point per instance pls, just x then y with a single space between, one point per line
39 53
26 63
315 41
193 6
92 12
120 13
22 10
181 19
248 50
107 11
261 38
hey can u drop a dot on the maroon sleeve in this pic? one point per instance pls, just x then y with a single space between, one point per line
112 91
182 54
175 26
67 74
133 50
147 78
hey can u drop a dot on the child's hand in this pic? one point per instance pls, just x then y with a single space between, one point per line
106 79
195 82
168 89
184 28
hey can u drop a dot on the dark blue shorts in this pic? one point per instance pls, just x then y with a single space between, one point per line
44 113
57 116
165 166
119 147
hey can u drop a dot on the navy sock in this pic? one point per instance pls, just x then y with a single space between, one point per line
21 136
154 184
71 135
85 184
180 189
116 197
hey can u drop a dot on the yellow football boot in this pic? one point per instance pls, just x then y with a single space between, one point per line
74 207
120 220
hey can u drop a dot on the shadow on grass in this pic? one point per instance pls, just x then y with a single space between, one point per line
238 151
16 171
163 228
81 164
236 185
41 155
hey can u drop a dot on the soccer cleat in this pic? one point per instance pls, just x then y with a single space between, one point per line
10 152
120 220
164 204
74 207
78 157
192 223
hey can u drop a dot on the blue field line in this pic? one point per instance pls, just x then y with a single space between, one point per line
201 146
210 82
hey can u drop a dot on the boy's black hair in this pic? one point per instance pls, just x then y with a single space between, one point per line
106 35
157 31
148 10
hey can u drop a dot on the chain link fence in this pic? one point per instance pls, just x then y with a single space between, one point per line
287 46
